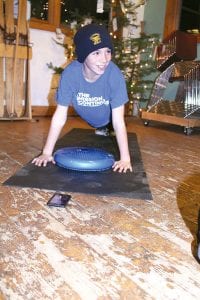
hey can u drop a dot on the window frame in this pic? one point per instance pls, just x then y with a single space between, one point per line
53 21
172 18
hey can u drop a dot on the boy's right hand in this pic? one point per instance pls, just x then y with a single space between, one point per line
42 160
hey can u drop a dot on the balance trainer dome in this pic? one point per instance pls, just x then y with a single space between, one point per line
84 159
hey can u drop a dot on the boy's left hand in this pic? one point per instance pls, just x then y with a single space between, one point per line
122 166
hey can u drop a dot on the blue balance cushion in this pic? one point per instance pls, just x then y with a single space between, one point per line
84 159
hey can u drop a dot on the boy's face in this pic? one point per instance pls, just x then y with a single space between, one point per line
97 61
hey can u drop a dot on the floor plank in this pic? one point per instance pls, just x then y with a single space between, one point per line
102 247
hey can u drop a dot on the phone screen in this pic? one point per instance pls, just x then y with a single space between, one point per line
59 200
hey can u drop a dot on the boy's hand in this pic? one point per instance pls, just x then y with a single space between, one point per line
122 166
42 160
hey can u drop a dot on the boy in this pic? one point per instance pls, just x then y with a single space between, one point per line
96 88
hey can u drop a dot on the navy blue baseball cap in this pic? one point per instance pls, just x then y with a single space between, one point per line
90 38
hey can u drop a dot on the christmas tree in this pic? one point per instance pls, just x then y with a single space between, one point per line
135 56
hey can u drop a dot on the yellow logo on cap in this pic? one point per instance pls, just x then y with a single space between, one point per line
95 38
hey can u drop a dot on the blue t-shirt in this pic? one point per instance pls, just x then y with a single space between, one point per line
93 101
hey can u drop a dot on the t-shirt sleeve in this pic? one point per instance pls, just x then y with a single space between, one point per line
64 92
118 89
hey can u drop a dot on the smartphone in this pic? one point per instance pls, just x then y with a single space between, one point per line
59 200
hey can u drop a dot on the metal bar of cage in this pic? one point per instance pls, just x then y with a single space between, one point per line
183 111
192 91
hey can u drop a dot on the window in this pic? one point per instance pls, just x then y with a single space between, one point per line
77 10
48 15
39 9
190 16
175 16
45 14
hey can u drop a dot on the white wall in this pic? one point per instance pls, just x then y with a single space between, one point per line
45 50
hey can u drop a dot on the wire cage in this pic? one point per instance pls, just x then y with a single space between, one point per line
176 63
184 110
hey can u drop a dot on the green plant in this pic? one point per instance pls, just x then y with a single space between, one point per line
135 57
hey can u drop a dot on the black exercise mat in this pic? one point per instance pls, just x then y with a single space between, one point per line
129 185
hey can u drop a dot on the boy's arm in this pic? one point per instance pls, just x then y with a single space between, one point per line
58 120
124 163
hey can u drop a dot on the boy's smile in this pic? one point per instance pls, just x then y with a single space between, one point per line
96 63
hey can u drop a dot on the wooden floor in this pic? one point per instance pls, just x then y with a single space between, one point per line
102 247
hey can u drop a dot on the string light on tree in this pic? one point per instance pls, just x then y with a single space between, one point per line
133 55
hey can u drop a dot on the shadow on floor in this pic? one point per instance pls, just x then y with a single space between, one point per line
188 200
